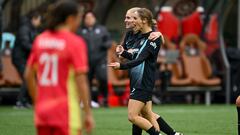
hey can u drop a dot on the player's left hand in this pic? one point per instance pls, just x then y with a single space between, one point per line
89 123
114 65
154 35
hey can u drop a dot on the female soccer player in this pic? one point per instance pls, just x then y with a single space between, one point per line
142 69
130 39
59 61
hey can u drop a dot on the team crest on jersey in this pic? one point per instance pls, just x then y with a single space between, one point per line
97 31
84 31
153 44
132 51
141 43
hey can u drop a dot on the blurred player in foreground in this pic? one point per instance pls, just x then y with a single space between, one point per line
56 74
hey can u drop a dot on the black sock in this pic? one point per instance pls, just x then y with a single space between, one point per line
164 127
152 131
238 111
136 130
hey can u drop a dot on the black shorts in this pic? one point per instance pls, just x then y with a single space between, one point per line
141 95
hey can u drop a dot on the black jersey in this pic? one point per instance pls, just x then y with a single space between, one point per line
142 64
131 39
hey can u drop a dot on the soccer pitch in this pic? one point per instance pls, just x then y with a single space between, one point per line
189 119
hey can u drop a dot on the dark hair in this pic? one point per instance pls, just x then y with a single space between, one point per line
58 12
86 12
146 14
34 13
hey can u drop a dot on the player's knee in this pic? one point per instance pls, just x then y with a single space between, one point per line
144 113
132 117
147 114
238 102
156 116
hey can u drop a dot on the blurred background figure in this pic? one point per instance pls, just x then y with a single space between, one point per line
98 41
28 30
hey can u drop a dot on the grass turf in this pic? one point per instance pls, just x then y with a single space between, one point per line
189 119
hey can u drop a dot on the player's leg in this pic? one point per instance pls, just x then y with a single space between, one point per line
238 112
134 109
149 115
136 130
164 126
94 98
101 74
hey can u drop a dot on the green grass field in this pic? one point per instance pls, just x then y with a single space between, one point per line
189 119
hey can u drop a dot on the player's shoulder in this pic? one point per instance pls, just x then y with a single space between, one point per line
75 39
41 36
155 43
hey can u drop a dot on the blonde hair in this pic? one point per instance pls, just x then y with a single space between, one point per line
134 9
145 13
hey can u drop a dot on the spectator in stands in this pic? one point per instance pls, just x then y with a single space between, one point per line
27 31
98 42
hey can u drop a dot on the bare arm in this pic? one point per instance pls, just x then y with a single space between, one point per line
120 51
83 89
30 78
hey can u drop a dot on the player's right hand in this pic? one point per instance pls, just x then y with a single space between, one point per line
114 65
119 49
89 123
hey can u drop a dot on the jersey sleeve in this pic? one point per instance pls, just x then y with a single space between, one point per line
153 46
142 57
79 56
127 55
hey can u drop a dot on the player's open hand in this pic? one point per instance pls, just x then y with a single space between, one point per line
114 65
119 49
154 35
89 123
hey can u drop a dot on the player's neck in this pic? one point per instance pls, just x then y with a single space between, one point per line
63 28
146 29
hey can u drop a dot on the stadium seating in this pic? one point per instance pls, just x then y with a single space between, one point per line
10 76
10 80
175 67
196 66
7 37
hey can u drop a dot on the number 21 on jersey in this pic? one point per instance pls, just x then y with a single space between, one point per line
49 76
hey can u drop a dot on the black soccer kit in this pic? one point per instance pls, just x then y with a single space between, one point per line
142 67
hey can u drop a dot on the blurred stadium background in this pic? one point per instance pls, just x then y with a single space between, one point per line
212 26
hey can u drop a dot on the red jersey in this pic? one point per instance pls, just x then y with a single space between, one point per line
57 56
